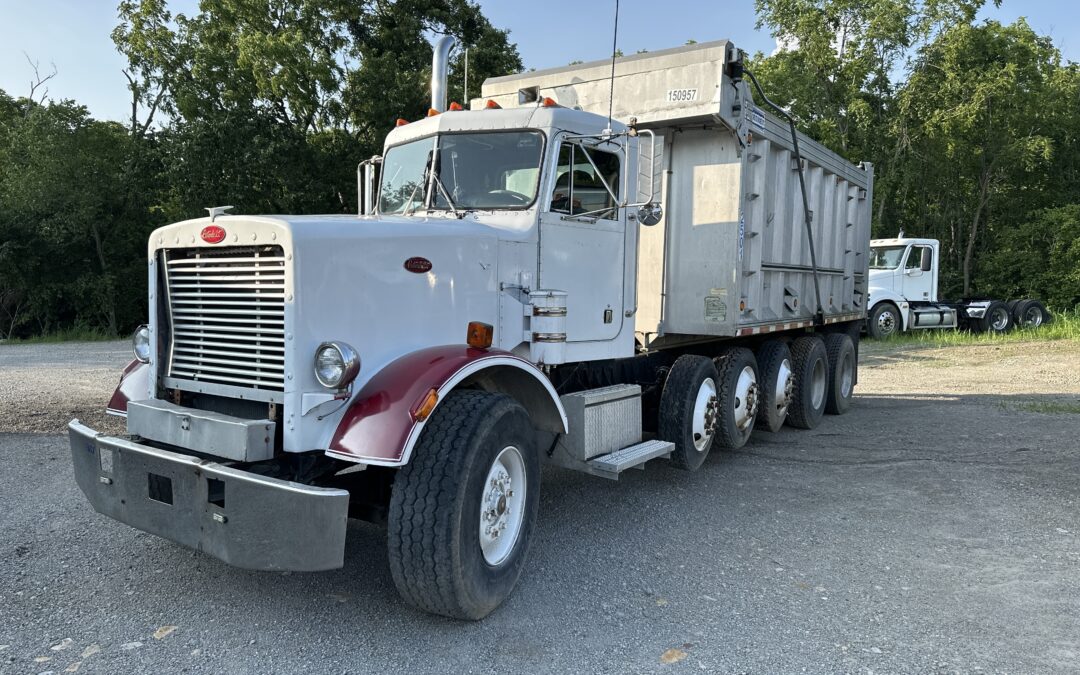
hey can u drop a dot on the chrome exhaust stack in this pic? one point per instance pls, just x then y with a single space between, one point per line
440 66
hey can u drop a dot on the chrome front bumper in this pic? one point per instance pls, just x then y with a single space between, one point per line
244 519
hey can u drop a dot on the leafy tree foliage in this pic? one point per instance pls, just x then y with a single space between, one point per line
973 128
264 104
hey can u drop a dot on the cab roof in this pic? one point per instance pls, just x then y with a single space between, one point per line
539 117
903 242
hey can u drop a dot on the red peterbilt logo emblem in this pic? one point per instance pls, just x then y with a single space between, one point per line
212 234
418 265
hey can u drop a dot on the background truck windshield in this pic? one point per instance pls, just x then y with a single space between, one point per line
472 171
886 257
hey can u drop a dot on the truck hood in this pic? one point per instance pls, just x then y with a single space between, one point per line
386 286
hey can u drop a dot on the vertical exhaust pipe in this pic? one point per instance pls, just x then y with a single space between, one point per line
440 66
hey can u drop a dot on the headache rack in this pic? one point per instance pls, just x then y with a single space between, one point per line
226 321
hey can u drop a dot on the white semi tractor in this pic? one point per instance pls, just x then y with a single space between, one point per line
904 295
531 280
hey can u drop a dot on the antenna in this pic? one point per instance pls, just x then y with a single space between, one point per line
614 50
465 93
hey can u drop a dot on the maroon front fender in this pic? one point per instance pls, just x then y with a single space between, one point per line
378 427
133 387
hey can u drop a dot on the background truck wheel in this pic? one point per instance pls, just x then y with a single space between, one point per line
776 384
688 410
884 321
462 510
739 396
811 382
996 319
1030 314
841 355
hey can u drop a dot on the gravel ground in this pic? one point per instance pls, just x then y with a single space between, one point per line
932 529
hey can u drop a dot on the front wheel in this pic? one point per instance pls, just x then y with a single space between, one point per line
462 511
884 321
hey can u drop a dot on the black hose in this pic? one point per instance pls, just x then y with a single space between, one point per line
819 316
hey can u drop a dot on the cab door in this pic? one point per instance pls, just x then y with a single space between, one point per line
919 284
582 237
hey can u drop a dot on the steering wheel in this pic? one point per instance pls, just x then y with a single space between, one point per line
518 198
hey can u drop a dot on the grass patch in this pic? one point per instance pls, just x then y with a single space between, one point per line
1064 326
65 335
1050 407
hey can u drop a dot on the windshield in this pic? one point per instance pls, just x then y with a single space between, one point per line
886 257
462 171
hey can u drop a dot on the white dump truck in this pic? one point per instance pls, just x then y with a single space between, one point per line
904 295
531 280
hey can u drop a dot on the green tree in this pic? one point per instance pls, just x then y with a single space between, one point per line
976 108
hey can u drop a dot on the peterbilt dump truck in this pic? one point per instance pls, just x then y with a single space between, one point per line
904 295
530 281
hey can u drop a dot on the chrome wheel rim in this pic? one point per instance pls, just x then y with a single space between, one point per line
502 505
999 319
1033 317
704 425
817 384
886 322
746 398
785 385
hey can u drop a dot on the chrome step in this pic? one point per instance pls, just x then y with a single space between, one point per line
611 465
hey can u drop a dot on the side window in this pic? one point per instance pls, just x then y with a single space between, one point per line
914 260
585 181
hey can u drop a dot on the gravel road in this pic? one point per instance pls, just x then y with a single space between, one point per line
935 528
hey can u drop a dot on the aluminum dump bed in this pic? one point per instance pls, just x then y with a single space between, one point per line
731 255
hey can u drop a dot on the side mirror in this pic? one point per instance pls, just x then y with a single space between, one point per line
650 163
650 214
366 184
927 260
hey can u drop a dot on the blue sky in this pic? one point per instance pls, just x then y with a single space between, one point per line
74 35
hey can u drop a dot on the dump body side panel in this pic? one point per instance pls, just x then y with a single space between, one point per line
732 254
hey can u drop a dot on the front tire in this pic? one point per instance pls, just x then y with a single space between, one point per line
463 510
811 382
884 321
688 409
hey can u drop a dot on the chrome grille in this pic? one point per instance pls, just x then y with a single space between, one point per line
227 317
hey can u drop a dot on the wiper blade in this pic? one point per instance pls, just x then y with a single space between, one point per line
446 195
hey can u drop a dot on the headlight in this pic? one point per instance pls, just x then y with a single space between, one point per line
336 364
140 343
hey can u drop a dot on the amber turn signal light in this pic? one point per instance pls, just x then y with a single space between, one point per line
432 112
550 102
492 105
480 334
401 121
422 410
456 106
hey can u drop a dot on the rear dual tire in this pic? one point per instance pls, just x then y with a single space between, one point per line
840 352
1029 313
996 319
811 366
